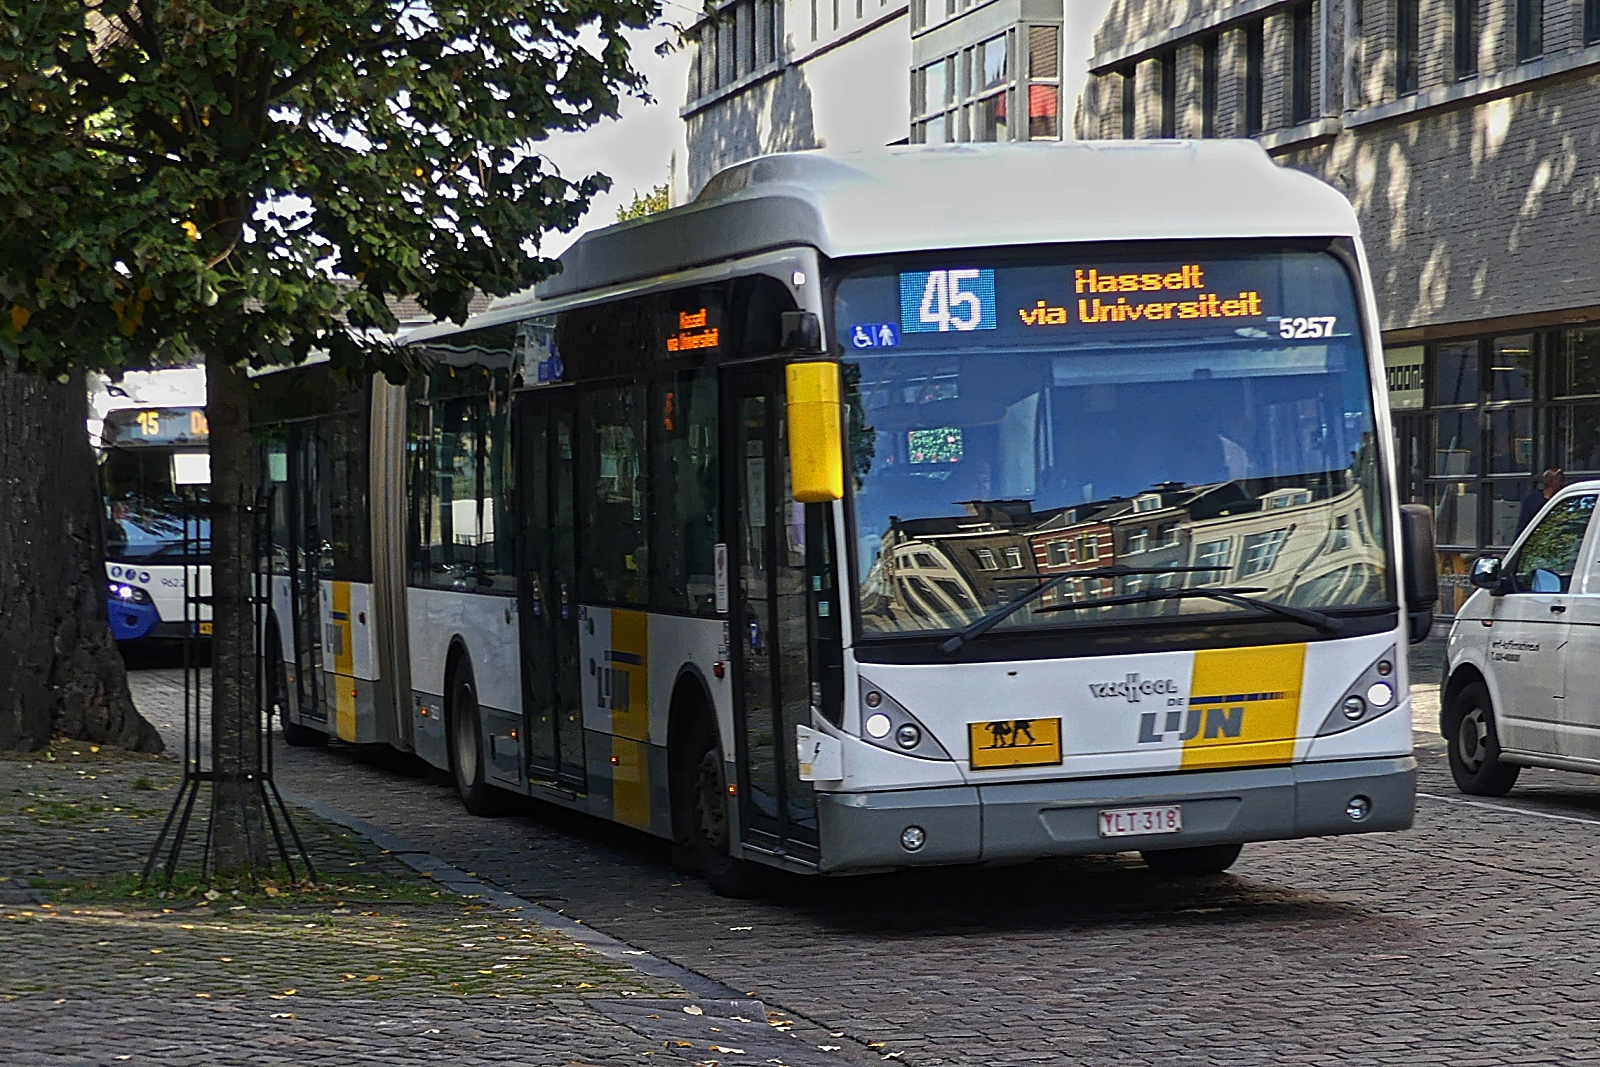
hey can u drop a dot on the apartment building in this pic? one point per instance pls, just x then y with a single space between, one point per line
1467 135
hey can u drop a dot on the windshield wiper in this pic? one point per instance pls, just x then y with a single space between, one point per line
953 645
1235 595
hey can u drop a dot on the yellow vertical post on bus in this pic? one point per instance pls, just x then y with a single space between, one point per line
816 432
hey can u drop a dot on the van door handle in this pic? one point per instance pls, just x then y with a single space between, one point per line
1557 609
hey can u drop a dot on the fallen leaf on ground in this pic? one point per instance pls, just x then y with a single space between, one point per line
694 1009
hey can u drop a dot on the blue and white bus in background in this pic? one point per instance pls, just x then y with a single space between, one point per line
151 437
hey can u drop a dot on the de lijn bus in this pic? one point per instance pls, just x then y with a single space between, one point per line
928 506
153 443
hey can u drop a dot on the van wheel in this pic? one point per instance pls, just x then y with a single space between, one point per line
1474 745
712 831
294 735
1203 859
466 745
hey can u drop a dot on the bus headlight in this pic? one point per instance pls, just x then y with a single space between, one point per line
1372 694
885 723
122 593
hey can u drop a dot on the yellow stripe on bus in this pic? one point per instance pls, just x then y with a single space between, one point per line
344 684
630 666
1244 706
630 782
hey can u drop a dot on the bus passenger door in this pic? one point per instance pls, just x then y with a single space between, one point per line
767 616
552 698
306 545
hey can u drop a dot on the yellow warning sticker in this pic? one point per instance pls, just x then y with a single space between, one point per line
1014 743
1244 707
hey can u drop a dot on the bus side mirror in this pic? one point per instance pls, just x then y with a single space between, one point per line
800 331
1420 567
816 432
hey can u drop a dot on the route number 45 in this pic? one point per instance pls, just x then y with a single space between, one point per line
960 300
1300 329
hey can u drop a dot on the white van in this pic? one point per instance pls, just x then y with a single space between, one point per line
1523 680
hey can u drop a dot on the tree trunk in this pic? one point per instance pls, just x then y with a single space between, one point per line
60 671
238 832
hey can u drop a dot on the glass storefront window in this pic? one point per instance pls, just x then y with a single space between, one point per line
1505 504
1576 366
1511 368
1575 437
1455 513
1510 440
1457 373
1455 443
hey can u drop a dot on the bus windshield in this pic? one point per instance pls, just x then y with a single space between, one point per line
145 510
1131 424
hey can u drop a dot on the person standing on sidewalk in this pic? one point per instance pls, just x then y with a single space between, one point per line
1553 480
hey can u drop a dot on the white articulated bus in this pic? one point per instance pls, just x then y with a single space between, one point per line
928 506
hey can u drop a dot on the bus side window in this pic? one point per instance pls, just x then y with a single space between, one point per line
684 512
613 565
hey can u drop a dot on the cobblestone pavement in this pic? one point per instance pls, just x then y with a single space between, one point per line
1466 941
377 964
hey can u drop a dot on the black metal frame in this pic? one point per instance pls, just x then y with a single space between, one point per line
199 766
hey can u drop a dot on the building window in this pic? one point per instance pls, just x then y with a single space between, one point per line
931 99
1044 89
1530 29
1466 31
986 560
1167 535
1129 102
1254 47
1208 87
1212 554
1405 58
1139 540
1260 551
1591 21
1300 91
1014 558
992 72
1058 554
1168 65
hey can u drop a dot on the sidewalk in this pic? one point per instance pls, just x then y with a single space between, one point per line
377 964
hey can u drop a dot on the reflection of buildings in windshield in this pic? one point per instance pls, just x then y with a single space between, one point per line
1305 542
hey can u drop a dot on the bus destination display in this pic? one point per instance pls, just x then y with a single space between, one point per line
1292 296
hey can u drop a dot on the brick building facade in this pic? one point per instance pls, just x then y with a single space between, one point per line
1467 135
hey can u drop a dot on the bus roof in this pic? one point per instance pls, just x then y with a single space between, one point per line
909 198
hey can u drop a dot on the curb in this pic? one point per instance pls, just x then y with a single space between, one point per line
466 885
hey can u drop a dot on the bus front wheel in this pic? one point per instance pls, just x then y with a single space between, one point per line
712 831
466 745
1204 859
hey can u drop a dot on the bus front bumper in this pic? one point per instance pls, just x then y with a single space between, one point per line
1028 820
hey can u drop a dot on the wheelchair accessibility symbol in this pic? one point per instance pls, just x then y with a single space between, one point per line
874 335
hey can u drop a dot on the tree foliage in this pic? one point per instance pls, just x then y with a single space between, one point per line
177 176
657 199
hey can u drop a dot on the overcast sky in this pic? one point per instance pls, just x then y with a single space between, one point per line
635 151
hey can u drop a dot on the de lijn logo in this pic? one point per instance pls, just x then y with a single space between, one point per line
1133 689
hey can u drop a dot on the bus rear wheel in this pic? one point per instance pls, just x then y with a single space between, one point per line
466 745
711 830
1204 859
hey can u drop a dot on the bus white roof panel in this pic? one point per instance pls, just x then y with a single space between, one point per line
908 198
